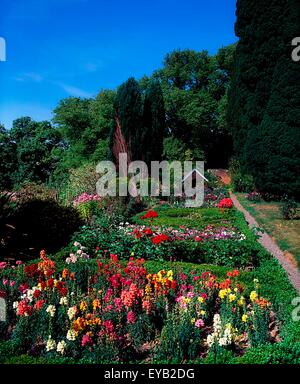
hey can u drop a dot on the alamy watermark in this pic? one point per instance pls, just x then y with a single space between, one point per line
2 49
296 51
296 311
2 309
165 178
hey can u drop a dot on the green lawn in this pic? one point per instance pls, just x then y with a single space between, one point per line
198 218
286 233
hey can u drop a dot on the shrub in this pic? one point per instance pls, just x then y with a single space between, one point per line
44 225
288 208
242 183
254 196
34 191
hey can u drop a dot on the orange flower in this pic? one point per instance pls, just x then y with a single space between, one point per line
263 303
65 273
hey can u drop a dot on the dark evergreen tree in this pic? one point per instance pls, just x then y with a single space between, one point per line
263 96
129 118
154 123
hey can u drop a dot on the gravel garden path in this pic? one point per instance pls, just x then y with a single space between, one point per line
266 241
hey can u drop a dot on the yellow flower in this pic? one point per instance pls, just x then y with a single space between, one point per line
83 306
241 301
229 327
244 318
202 313
170 275
223 293
96 304
193 321
187 300
235 290
228 290
232 297
200 299
147 290
132 254
253 296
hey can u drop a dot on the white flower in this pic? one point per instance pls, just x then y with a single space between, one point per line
29 294
76 244
61 347
217 324
51 310
50 344
72 312
71 335
222 341
15 304
210 340
63 301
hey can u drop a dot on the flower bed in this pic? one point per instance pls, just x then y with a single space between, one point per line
124 313
180 234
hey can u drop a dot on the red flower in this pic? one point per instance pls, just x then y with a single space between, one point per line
198 238
43 285
150 215
63 291
23 287
148 231
114 258
50 283
36 293
159 238
225 203
39 304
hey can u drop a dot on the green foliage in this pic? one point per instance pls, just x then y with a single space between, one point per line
180 340
288 208
81 180
242 183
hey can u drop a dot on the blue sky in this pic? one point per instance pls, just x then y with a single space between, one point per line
61 48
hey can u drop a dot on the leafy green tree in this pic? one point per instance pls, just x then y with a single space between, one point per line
38 148
194 86
7 159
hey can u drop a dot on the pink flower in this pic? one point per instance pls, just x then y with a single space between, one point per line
3 264
199 323
86 340
198 238
12 283
131 318
4 281
18 262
